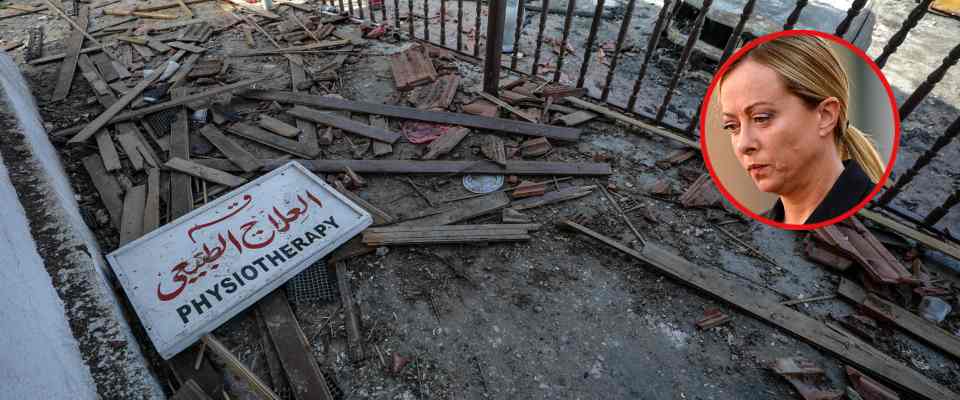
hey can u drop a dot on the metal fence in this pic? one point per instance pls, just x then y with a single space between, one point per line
404 18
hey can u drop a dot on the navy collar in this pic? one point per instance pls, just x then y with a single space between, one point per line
850 189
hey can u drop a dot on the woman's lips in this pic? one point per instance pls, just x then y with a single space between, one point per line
757 170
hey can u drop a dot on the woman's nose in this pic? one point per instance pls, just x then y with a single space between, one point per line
747 141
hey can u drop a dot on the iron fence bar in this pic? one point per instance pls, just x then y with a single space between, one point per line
341 8
373 15
684 58
410 18
426 20
727 52
897 39
591 37
948 135
795 15
443 22
360 10
516 35
383 11
852 13
545 5
662 20
621 37
460 25
350 7
571 7
476 32
496 14
396 14
938 213
927 86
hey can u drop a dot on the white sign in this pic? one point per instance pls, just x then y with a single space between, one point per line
193 274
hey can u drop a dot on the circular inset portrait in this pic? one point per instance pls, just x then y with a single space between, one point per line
799 129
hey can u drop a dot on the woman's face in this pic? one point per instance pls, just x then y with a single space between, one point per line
775 135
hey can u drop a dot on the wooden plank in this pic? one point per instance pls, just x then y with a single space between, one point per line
464 210
184 366
202 172
466 120
268 139
436 167
110 192
308 138
346 124
181 191
277 126
447 234
169 5
128 134
906 320
351 320
445 144
632 121
495 100
577 118
145 52
69 65
232 362
89 72
296 355
133 202
186 68
380 148
187 46
105 65
237 155
108 152
763 305
116 116
291 49
949 249
159 46
569 193
379 216
254 9
151 209
190 391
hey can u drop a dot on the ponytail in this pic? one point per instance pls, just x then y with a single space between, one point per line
856 145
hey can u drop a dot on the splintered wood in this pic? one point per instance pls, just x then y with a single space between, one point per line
412 68
449 234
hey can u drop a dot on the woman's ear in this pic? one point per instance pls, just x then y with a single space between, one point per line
829 113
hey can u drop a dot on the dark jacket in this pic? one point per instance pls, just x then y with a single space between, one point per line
850 189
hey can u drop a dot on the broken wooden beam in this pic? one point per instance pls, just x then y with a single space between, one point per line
181 190
277 126
108 152
447 234
111 194
291 49
69 65
465 120
463 211
132 225
570 193
190 391
269 139
237 367
351 319
760 303
906 320
942 246
379 216
631 121
434 167
151 208
346 124
233 151
203 172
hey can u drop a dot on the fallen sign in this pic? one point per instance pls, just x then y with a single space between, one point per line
193 274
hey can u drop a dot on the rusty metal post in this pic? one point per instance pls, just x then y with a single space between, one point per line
516 35
795 15
476 30
897 39
443 23
591 37
949 134
624 27
684 58
571 8
852 13
459 25
544 6
927 86
663 19
491 62
938 213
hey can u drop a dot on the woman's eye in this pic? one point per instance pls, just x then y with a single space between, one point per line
730 128
761 118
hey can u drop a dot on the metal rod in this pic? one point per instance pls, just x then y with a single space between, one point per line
591 37
459 25
341 7
938 213
396 14
666 14
476 31
897 39
571 7
544 5
373 15
621 37
927 86
852 13
727 51
491 62
410 18
350 6
426 20
948 135
795 15
516 36
684 58
383 11
360 10
443 22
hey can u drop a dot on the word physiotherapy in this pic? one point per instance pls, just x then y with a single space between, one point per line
195 273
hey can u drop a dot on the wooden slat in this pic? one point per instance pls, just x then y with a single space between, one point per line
470 121
237 155
949 249
296 356
181 191
202 172
137 151
184 369
187 46
336 121
631 121
351 319
261 389
435 167
291 49
760 303
107 69
69 65
906 320
151 208
268 139
431 235
277 126
308 138
108 152
380 148
464 210
380 217
190 391
133 202
110 192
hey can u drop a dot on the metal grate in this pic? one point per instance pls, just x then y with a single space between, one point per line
161 121
332 385
316 284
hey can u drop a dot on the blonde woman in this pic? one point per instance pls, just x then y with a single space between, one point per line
785 105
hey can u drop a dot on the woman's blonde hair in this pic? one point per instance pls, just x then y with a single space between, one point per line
811 71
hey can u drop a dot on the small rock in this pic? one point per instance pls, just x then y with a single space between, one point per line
537 309
103 219
382 251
